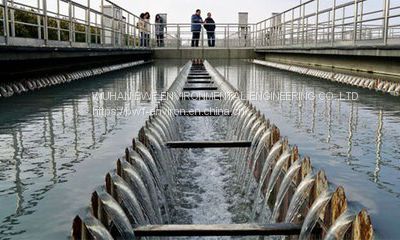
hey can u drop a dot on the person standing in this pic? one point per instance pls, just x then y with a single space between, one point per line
159 29
147 29
196 27
140 26
210 27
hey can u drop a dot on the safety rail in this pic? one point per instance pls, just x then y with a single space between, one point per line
332 23
226 35
66 23
314 23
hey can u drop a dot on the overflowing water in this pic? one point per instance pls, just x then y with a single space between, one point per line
355 142
154 184
131 203
135 183
118 219
283 189
313 215
57 146
95 227
339 229
299 197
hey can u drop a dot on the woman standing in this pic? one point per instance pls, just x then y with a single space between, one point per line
141 27
159 27
147 29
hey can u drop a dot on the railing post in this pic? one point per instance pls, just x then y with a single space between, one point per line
284 30
70 22
355 22
45 23
39 24
225 37
88 30
361 10
178 36
5 22
58 21
228 32
292 29
202 37
302 13
343 21
254 39
317 24
386 22
113 26
12 19
128 32
134 32
122 29
333 22
103 32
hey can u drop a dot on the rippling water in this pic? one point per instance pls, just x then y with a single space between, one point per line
355 142
207 186
57 146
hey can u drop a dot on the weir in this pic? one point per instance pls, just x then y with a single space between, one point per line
206 119
300 198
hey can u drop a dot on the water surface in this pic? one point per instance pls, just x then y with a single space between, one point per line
57 145
355 141
55 148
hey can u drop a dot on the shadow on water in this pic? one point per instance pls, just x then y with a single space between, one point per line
355 141
45 136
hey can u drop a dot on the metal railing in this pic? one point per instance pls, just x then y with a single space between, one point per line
227 35
340 22
66 23
314 23
59 23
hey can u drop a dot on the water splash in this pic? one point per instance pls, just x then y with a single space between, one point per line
259 201
300 195
95 228
287 180
157 195
129 200
137 185
313 214
261 151
160 180
116 215
340 227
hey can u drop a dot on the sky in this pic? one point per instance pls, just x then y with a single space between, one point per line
224 11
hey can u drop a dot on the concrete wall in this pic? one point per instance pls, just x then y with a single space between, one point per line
365 65
206 53
21 62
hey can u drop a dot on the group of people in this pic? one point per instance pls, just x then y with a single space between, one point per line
145 29
209 25
196 24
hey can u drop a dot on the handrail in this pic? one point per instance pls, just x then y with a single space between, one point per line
348 23
304 25
226 35
115 27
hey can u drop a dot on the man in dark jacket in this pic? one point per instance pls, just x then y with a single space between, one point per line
210 27
196 28
159 29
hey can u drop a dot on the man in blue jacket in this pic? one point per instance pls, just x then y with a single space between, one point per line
196 28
